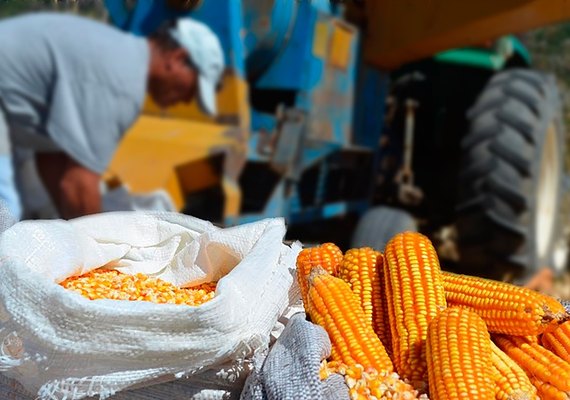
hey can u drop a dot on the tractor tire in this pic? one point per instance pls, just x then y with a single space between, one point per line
511 177
379 224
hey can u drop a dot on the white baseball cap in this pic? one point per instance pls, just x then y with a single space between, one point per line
206 55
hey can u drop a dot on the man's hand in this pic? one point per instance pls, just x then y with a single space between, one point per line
73 188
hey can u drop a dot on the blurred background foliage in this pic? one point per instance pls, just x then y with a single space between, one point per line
91 8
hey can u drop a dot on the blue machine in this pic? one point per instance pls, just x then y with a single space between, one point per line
316 107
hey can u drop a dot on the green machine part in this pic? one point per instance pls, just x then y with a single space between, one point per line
492 58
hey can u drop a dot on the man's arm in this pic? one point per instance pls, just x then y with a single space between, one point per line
73 188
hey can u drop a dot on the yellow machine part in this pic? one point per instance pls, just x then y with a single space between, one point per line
400 31
174 155
174 149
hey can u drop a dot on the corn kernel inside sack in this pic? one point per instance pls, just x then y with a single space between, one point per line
111 284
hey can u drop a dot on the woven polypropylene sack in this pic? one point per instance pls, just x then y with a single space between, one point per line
60 345
196 387
291 369
6 218
220 383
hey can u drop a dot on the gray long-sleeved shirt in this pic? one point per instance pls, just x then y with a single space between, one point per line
71 84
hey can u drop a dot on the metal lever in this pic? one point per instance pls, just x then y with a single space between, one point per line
408 193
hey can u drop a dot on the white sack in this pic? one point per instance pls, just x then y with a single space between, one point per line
58 343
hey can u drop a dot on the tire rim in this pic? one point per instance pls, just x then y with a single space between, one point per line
549 178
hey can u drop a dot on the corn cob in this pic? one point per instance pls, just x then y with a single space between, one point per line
511 382
458 351
506 308
362 270
415 295
111 284
536 361
548 392
327 255
558 341
332 305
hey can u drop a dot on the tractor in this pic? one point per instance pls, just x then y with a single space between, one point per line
474 146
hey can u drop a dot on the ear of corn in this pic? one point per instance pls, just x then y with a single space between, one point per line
415 295
511 382
459 356
548 392
332 305
536 361
111 284
327 256
558 341
506 308
362 269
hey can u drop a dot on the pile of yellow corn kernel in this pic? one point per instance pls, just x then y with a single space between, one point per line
114 285
369 384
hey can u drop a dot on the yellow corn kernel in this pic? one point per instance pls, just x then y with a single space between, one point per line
536 361
113 285
325 370
506 308
558 341
369 383
327 256
362 269
332 305
511 382
415 295
458 351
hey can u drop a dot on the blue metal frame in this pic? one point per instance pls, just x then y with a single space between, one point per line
346 106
